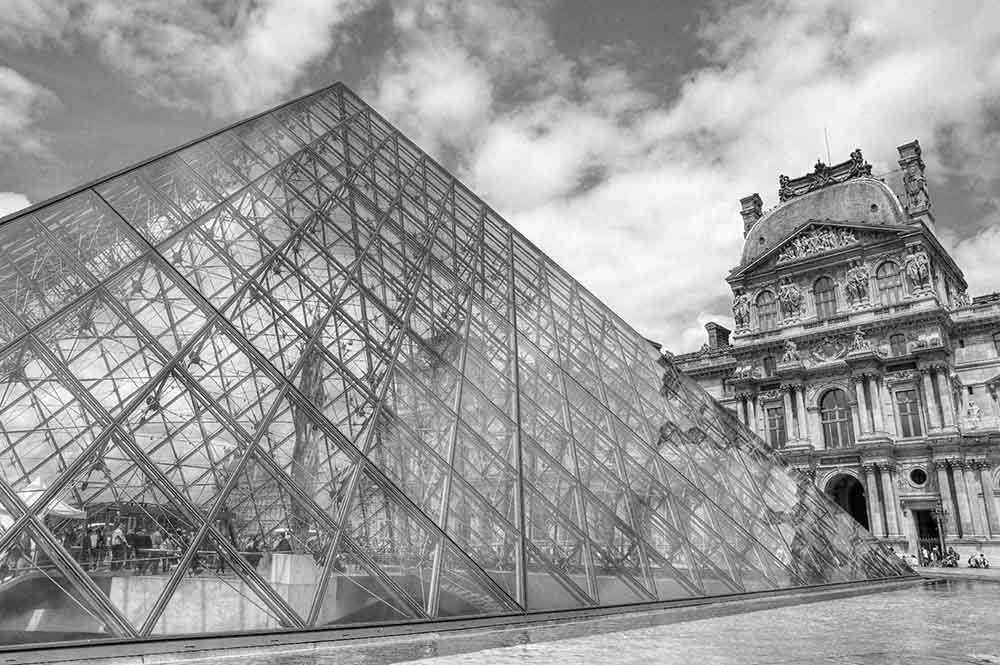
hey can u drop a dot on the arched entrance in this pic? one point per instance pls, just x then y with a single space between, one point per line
849 494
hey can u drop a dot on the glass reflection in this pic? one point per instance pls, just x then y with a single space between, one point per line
296 375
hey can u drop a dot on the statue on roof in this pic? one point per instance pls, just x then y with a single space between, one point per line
784 188
859 167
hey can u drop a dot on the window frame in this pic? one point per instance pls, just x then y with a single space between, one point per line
908 413
836 421
826 308
891 289
897 350
777 425
770 322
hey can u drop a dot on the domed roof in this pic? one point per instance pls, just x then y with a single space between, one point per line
857 201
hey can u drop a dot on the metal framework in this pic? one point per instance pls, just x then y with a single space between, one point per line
341 389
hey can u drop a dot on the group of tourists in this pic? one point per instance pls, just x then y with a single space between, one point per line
950 558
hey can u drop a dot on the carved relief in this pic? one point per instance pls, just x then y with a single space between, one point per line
916 186
823 175
741 311
829 348
790 297
860 342
918 270
791 354
820 240
900 376
858 279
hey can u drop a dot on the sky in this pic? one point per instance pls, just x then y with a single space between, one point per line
618 136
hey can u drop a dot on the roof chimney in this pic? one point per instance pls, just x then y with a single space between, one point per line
751 208
718 336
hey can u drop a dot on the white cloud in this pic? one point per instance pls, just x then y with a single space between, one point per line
230 58
21 102
633 190
12 202
638 197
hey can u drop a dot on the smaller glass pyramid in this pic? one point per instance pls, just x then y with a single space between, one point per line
295 374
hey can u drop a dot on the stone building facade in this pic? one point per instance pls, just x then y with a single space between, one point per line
859 355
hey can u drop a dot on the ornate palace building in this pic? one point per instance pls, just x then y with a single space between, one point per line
859 355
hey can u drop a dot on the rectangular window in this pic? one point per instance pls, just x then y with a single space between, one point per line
909 413
776 433
996 343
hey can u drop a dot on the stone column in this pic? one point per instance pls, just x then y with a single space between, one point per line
786 396
874 505
892 518
944 488
989 501
876 395
815 427
756 419
929 407
803 412
859 392
888 414
964 505
947 401
980 525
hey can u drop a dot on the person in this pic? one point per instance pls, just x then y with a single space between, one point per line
143 544
117 547
85 554
253 554
155 544
925 556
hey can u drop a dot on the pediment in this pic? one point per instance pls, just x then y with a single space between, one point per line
818 237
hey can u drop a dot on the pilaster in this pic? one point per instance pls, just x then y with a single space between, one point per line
989 501
888 472
944 488
874 507
962 496
929 407
947 401
980 525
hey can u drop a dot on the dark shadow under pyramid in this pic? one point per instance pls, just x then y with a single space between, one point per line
295 374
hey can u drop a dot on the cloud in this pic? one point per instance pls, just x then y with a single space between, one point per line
21 103
226 57
635 190
12 202
631 184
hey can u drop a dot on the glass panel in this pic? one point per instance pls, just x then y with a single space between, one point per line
346 391
36 278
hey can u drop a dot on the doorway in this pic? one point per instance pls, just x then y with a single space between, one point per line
928 536
849 494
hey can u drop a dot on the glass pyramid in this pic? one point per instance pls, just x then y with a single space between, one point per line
295 374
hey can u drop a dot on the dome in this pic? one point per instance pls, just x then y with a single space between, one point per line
858 201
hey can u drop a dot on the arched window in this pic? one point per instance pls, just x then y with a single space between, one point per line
890 283
825 295
897 344
767 311
835 414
